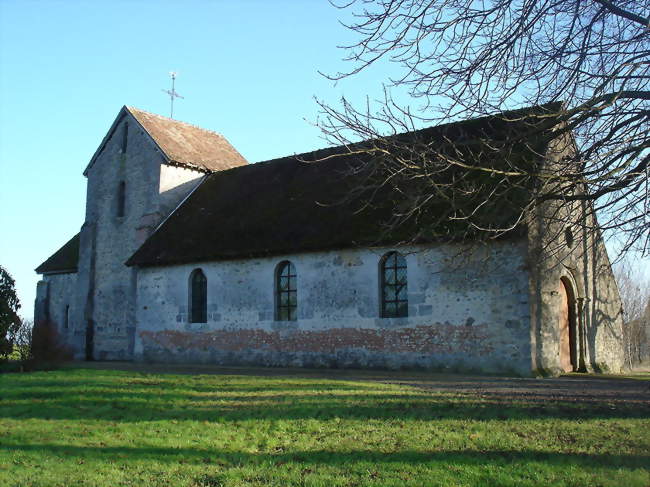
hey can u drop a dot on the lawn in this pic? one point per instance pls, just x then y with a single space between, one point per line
125 428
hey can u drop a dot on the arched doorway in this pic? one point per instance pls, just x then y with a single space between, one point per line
567 324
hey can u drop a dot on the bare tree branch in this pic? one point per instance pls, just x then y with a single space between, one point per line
624 13
462 59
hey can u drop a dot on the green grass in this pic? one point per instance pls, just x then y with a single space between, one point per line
111 428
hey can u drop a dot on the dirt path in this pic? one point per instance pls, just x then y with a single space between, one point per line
583 389
634 388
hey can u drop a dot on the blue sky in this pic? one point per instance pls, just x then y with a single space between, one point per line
247 69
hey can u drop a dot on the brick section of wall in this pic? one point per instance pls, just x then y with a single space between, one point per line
438 339
439 346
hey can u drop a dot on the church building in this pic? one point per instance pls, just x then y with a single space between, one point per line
189 254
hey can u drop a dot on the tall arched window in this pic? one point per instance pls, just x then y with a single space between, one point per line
286 292
198 297
121 198
394 298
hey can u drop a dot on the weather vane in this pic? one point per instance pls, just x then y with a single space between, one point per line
172 93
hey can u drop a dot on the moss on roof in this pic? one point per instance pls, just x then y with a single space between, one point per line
187 144
329 199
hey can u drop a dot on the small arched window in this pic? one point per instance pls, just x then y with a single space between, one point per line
287 292
568 237
394 298
198 297
66 317
121 199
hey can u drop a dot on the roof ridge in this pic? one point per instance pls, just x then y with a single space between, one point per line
131 108
283 206
350 146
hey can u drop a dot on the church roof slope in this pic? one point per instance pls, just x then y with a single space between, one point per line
187 144
322 200
63 260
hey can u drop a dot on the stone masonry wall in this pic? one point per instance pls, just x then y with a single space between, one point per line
586 267
565 244
55 298
106 287
466 311
604 325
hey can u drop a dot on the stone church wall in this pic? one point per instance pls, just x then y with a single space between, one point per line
107 287
565 244
605 324
56 302
586 268
468 310
111 288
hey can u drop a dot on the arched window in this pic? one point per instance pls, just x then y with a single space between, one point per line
198 297
286 292
121 198
66 317
394 298
568 237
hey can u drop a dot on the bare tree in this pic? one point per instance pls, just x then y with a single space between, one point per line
586 62
634 289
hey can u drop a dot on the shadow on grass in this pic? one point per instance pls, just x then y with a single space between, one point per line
132 397
140 405
335 458
219 387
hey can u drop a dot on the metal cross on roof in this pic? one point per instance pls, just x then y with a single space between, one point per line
172 93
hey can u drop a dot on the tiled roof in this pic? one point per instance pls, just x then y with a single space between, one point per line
187 144
63 260
312 202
